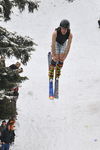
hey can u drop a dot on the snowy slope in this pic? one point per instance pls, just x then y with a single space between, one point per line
71 122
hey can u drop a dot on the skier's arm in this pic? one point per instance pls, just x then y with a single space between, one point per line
68 44
54 35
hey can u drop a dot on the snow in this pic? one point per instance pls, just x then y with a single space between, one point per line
71 122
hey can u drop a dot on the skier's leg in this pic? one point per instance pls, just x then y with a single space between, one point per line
58 69
61 59
51 69
60 63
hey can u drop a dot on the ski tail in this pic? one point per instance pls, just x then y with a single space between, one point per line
49 59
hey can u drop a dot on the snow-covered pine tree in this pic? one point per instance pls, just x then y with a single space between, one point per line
7 6
12 45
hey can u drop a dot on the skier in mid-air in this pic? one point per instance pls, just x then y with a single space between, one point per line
61 42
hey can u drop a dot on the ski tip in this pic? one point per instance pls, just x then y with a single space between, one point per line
51 97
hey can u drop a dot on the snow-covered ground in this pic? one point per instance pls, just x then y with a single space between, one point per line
73 121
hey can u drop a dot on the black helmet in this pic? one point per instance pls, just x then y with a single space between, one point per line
65 24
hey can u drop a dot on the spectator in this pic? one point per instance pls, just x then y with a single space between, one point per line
99 22
2 127
16 67
11 120
7 137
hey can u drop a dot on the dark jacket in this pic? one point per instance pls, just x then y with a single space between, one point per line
2 128
13 67
99 22
7 136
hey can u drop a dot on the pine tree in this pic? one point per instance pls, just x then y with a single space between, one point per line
12 45
7 5
17 46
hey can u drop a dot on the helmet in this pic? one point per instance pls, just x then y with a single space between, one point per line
65 24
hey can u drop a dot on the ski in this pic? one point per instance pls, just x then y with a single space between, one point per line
51 95
56 89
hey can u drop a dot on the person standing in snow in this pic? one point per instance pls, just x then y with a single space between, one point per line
99 22
7 137
2 127
61 42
